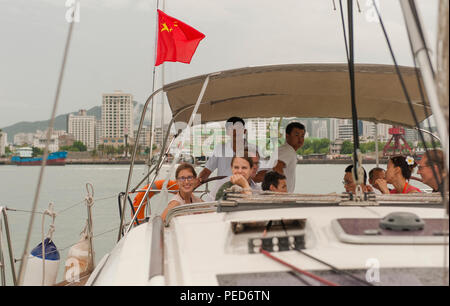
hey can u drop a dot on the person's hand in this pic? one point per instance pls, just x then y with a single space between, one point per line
369 188
197 182
240 180
382 185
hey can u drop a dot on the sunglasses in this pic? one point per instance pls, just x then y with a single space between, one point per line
185 178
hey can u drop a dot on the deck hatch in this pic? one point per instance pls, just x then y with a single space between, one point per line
368 231
246 237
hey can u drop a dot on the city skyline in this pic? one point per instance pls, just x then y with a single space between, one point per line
113 45
333 129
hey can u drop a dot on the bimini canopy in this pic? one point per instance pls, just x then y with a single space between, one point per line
300 90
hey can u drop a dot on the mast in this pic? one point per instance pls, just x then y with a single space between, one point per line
418 43
357 172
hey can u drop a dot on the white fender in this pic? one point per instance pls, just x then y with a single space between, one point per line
33 271
78 259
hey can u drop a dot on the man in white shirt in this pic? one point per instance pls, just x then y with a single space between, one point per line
287 153
224 153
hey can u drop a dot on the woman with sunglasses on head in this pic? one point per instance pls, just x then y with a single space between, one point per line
398 173
187 181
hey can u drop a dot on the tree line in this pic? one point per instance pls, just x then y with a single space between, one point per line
322 146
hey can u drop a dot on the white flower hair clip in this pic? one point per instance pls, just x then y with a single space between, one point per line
409 160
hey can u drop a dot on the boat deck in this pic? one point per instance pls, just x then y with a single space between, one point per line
201 249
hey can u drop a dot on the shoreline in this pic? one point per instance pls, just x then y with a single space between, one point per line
143 162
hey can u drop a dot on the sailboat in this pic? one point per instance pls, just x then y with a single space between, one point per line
261 239
290 239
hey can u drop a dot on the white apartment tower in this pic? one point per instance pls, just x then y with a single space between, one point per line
98 132
117 118
82 127
3 142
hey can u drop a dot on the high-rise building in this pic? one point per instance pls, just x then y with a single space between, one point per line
411 135
98 132
40 140
344 129
117 118
319 128
3 142
144 137
369 131
82 127
23 139
259 129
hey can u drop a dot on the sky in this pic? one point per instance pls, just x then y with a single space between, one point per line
113 44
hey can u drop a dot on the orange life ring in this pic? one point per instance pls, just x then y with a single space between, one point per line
172 185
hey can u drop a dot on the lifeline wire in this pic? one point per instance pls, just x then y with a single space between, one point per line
44 158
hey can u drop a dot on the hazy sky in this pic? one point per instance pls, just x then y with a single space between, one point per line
113 45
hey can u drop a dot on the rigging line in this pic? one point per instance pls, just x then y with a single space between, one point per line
82 201
153 89
405 91
130 173
294 268
421 34
335 269
402 83
44 157
351 70
300 278
71 245
343 29
70 207
359 8
417 70
437 176
315 277
25 211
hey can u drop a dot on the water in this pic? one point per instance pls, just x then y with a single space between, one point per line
66 186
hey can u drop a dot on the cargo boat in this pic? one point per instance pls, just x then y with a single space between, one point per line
25 158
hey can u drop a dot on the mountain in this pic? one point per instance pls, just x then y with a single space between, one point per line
60 122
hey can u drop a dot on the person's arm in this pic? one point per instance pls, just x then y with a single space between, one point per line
382 185
220 191
203 175
211 164
171 205
369 188
279 167
259 177
240 180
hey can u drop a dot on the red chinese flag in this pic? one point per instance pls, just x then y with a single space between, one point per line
177 41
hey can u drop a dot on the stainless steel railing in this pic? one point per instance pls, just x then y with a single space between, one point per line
4 217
